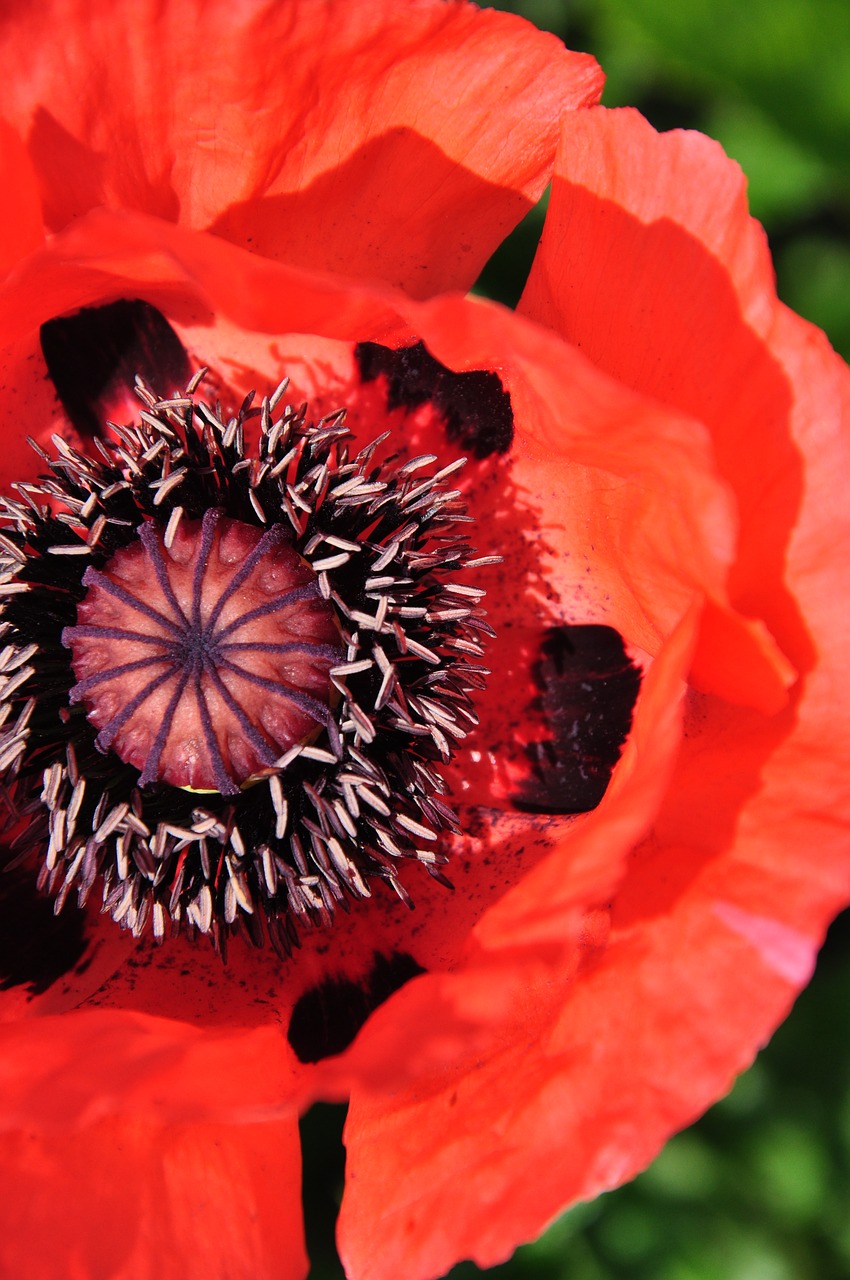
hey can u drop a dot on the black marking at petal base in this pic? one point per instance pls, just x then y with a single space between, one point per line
475 406
588 688
94 355
326 1018
37 947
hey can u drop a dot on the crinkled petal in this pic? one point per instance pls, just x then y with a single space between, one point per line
650 263
715 925
462 1147
518 962
590 459
130 1200
395 142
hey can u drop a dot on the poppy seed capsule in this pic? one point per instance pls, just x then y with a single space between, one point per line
203 657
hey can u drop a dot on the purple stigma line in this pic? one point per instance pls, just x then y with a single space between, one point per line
296 596
308 704
267 752
82 687
100 579
152 760
107 734
91 629
208 526
249 564
223 781
328 651
150 542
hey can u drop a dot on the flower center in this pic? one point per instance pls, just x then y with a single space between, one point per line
202 651
309 634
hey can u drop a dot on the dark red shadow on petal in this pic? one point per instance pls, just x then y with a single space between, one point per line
429 225
588 688
708 792
93 358
326 1018
85 176
475 406
37 948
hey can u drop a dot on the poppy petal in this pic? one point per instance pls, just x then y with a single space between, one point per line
49 964
137 1201
574 487
22 230
456 1171
411 182
68 1070
94 357
672 293
717 921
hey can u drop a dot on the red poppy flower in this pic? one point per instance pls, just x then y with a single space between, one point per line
663 486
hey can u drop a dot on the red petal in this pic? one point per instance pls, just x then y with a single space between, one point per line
402 143
590 462
716 924
650 263
77 1068
457 1146
525 945
135 1201
22 230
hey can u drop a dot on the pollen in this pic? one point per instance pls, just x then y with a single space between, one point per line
202 657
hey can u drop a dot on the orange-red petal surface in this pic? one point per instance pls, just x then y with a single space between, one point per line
594 982
347 137
22 230
717 920
650 264
129 1200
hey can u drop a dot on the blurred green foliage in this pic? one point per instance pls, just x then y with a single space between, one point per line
770 79
759 1188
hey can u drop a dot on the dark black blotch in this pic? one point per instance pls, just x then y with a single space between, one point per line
588 688
37 948
326 1018
96 353
475 406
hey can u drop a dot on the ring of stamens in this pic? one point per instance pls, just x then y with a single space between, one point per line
359 796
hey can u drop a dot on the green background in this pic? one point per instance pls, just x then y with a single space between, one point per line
759 1189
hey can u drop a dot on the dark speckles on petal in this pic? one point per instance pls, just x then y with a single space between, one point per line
93 358
475 406
588 687
328 1016
36 947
